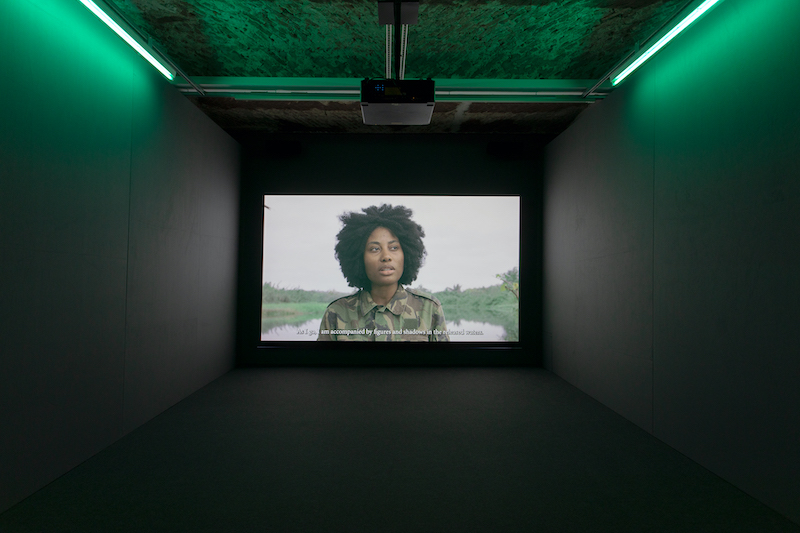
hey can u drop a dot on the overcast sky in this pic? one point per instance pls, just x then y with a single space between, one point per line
469 239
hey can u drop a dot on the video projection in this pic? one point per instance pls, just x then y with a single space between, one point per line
466 288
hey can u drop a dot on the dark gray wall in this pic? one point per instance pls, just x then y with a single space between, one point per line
118 231
672 222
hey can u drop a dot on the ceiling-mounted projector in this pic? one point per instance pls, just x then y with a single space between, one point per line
396 101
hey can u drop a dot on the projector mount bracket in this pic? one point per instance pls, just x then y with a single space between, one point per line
397 16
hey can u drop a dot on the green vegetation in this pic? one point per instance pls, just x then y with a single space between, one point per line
510 281
280 314
498 304
482 298
496 296
271 294
280 307
288 310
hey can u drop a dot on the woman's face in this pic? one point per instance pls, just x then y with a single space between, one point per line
383 258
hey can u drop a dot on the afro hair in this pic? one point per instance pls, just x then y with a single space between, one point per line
352 239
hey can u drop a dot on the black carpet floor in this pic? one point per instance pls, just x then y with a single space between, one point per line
391 449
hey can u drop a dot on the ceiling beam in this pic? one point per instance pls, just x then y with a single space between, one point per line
454 90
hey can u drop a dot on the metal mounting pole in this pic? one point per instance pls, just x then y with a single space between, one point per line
398 35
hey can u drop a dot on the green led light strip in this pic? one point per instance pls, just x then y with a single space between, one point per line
127 38
694 15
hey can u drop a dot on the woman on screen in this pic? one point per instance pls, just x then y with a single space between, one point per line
379 251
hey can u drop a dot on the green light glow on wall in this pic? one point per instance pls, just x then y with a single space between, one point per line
661 43
127 38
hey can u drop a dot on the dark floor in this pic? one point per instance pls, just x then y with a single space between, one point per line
391 449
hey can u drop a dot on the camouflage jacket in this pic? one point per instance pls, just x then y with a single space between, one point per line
409 316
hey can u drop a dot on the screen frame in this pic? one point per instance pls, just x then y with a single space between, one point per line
443 216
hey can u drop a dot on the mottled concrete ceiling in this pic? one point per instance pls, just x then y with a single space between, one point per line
454 39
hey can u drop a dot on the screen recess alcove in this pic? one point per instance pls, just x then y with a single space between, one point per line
478 201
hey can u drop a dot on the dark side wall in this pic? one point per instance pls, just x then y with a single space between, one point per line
391 164
671 231
118 239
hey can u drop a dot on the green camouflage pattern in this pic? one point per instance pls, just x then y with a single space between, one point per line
410 315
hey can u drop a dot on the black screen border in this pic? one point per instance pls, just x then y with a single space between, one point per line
262 171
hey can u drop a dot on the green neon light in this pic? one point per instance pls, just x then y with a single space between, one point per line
694 15
127 38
